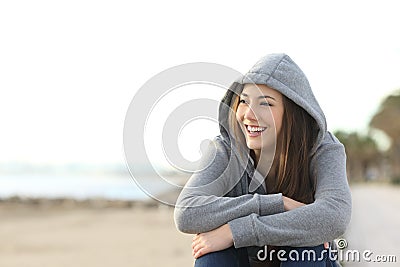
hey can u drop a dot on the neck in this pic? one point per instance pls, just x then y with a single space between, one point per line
264 162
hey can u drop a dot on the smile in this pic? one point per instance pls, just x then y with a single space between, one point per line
254 131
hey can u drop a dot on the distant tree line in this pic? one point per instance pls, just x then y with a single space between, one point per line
365 161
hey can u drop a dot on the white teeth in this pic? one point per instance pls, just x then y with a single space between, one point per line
255 129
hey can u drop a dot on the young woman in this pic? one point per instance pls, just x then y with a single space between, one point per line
272 187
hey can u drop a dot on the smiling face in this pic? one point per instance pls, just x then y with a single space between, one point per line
259 113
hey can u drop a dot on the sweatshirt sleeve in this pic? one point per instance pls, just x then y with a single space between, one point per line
324 220
203 205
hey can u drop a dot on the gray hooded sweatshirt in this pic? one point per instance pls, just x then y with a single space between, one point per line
219 193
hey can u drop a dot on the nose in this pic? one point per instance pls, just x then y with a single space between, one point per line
249 114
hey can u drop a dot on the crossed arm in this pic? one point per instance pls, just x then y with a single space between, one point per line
257 220
222 238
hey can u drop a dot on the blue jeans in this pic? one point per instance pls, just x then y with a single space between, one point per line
230 257
316 256
291 257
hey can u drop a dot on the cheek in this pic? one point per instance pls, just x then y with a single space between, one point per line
268 117
239 115
278 117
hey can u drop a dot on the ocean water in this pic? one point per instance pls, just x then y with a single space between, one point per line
76 186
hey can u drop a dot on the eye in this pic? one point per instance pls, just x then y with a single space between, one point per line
266 104
242 101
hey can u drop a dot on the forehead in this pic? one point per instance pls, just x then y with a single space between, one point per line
255 90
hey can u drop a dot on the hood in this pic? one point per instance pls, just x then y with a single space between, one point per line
279 72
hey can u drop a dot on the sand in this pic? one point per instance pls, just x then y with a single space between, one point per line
97 233
86 236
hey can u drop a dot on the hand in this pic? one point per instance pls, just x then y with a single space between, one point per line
215 240
291 204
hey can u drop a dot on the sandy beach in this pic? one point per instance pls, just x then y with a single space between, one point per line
100 233
56 235
374 228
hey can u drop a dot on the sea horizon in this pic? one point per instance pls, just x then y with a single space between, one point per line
80 182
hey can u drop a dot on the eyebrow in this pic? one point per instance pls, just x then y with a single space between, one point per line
260 97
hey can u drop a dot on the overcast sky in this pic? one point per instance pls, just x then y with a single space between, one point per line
69 69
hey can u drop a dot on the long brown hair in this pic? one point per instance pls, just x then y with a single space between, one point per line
296 139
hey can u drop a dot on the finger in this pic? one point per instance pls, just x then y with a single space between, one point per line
198 237
201 252
195 242
196 248
326 245
195 236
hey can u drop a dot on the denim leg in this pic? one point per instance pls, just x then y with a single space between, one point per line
230 257
306 257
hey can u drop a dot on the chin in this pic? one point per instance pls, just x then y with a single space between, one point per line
253 146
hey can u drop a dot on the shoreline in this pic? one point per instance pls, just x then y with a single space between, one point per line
70 203
41 232
92 202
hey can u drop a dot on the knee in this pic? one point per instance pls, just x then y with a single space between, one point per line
304 256
229 257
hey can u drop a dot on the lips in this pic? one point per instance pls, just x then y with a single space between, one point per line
254 131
